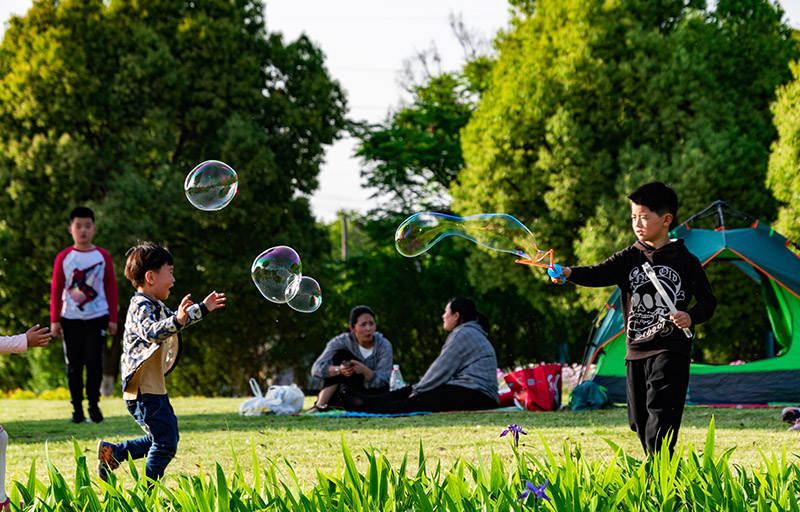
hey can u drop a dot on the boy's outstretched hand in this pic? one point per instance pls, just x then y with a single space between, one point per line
38 337
214 300
565 273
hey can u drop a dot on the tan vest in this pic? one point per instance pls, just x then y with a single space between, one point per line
149 378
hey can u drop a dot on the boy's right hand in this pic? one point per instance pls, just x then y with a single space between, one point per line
38 337
565 273
182 315
55 328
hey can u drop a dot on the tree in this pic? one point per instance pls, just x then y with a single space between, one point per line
588 100
783 178
110 105
417 154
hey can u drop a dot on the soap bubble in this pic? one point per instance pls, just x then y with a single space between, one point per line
309 296
496 231
277 273
211 185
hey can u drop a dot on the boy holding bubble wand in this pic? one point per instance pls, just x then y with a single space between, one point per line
151 348
658 348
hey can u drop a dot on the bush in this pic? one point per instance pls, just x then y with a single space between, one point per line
55 394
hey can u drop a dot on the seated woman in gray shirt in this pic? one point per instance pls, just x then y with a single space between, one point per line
462 378
359 357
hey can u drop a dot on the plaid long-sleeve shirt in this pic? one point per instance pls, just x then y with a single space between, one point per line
467 359
150 324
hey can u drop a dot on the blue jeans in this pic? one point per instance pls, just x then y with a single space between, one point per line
155 415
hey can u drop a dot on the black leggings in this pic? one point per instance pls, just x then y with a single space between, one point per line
440 399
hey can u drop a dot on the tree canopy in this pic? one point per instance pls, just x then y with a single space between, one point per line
110 105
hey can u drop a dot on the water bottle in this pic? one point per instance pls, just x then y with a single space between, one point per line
396 378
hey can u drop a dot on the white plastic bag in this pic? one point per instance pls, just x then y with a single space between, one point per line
258 404
285 399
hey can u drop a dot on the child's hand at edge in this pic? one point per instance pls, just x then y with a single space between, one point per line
565 273
182 315
38 337
214 300
681 319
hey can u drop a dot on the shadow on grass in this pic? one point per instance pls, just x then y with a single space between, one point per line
58 430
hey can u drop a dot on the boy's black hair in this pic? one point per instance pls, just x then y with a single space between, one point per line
82 212
145 257
657 196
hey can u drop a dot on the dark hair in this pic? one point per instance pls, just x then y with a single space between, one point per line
145 257
467 311
657 196
82 212
357 312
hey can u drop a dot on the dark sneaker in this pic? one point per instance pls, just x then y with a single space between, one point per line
95 414
105 460
78 417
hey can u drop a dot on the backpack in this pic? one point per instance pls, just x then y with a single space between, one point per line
587 396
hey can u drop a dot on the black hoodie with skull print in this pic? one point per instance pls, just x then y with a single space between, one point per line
648 327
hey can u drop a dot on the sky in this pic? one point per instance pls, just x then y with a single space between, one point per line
366 44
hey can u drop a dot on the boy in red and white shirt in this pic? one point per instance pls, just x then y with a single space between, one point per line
83 310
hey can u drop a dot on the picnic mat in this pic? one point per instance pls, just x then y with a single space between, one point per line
353 414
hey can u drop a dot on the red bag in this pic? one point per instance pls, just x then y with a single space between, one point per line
536 389
506 398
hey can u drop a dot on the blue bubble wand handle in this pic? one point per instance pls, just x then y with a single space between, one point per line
553 269
555 272
651 274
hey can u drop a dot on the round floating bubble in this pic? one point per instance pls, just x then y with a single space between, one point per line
309 296
211 185
277 273
496 231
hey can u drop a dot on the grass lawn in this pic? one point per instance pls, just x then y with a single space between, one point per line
208 426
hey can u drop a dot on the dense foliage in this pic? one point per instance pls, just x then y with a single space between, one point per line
110 105
784 163
589 99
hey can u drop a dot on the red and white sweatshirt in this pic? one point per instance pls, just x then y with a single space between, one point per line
84 285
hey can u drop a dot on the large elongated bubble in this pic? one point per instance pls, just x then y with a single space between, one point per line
495 231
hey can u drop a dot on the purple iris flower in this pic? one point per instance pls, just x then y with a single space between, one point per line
536 490
515 430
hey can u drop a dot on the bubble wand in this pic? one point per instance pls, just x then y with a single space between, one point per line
651 274
495 231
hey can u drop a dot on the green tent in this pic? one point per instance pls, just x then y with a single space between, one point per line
763 255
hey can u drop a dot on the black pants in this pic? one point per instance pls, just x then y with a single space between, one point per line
355 381
656 395
83 347
443 398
